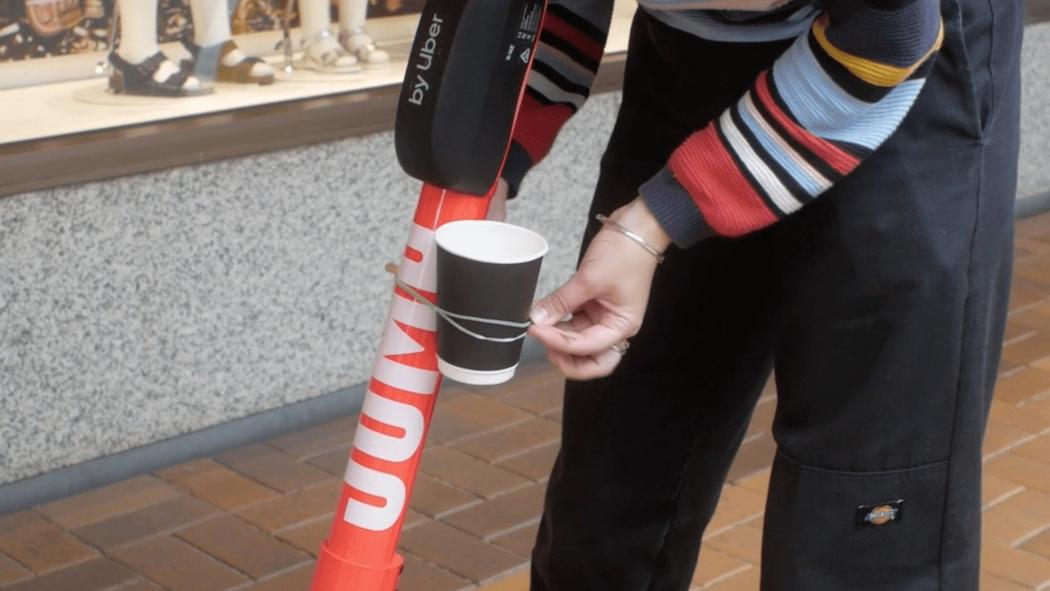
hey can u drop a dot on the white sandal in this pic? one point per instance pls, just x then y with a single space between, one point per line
323 54
358 42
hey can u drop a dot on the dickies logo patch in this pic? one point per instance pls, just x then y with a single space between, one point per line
880 514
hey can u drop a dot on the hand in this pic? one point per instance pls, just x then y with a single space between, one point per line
498 205
607 296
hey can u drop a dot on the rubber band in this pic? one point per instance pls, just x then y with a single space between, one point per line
451 317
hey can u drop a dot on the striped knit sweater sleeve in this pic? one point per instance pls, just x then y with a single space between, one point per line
827 103
571 46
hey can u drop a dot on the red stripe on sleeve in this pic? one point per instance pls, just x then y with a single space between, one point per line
720 190
577 38
538 125
841 161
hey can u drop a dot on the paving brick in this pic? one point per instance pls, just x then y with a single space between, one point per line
1007 369
461 553
296 508
519 541
11 571
141 585
538 391
728 516
1035 269
1041 405
1032 226
715 566
1038 449
468 473
500 515
999 437
1023 471
242 546
1023 385
1018 566
1025 292
516 439
991 582
1017 517
1036 317
39 544
296 579
1015 332
98 573
995 489
753 456
451 389
759 481
333 462
216 484
747 580
469 415
105 502
519 581
744 542
271 467
308 536
537 375
432 497
312 441
744 498
424 576
177 565
1028 417
762 418
414 518
536 464
162 517
1029 350
1039 544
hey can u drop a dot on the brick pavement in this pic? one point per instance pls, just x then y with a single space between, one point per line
253 517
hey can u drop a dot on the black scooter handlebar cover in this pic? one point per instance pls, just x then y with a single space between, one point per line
465 74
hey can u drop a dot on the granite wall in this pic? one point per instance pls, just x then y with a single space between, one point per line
142 308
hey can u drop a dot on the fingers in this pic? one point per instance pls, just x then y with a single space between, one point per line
585 368
591 340
565 300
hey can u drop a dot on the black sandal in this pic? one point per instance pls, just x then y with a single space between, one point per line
128 78
211 66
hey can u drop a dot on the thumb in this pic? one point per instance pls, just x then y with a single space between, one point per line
566 299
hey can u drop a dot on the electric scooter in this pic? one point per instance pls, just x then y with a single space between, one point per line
463 85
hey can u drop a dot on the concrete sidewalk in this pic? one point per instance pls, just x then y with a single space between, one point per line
253 517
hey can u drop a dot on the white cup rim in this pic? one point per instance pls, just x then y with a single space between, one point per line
445 238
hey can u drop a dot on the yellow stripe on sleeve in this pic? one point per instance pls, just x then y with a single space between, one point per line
870 71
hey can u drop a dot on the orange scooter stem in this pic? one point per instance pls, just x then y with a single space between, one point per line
465 79
360 552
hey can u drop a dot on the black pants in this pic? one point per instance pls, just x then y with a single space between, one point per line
881 306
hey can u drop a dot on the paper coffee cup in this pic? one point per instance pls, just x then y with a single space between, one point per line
485 270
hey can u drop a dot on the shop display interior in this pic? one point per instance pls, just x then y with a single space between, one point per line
56 65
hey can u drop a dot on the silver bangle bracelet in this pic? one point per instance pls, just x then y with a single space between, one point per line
635 237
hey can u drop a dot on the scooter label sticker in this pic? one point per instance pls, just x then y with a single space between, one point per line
880 514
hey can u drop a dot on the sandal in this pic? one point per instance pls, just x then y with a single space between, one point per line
357 42
129 78
214 66
331 60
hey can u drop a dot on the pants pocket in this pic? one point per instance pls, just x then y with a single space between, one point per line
833 530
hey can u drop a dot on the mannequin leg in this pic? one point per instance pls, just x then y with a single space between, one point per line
211 27
138 41
321 51
352 34
138 29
